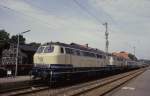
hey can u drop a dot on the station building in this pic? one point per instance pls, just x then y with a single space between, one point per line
25 58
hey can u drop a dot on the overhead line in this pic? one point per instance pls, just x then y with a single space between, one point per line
46 23
50 11
85 9
91 14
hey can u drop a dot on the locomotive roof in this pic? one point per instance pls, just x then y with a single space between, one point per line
77 46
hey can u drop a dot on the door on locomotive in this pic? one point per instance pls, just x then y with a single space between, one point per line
68 52
111 60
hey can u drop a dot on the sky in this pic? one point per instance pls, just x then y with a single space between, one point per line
81 21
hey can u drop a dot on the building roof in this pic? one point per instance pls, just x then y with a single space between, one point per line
25 47
28 48
121 54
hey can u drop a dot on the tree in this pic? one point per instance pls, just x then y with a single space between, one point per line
14 39
4 37
132 57
35 44
4 40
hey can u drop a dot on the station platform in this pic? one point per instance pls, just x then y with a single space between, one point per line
14 79
9 83
139 86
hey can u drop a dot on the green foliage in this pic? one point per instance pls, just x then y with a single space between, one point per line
132 57
4 40
14 39
35 44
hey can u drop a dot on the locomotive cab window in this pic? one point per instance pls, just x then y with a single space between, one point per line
49 49
40 49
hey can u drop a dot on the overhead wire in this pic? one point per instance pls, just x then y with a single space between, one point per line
65 7
87 11
107 16
81 7
49 25
33 18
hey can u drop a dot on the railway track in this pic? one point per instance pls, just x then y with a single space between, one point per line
26 91
91 88
104 86
26 87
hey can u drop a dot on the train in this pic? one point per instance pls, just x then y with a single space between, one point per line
56 61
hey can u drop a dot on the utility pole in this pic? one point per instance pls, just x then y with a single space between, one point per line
106 34
107 43
17 51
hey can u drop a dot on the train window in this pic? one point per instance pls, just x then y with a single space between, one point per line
104 57
74 52
78 52
88 54
99 56
81 53
40 49
92 55
49 49
61 50
85 53
69 51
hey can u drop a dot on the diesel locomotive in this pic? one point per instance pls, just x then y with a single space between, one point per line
57 61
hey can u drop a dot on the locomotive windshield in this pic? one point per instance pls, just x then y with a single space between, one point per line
49 49
45 49
40 49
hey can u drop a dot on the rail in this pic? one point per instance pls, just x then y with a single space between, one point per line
91 88
103 86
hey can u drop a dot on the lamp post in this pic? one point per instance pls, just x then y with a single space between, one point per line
16 69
